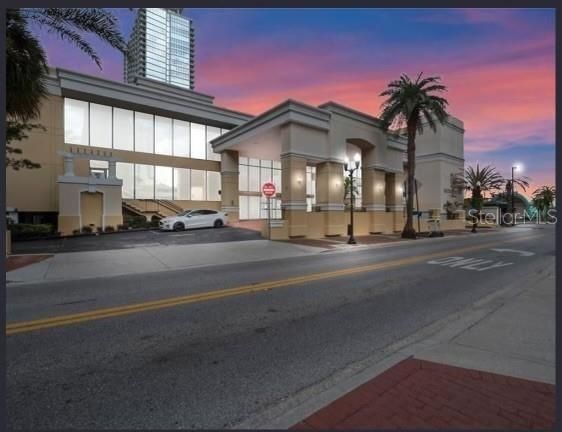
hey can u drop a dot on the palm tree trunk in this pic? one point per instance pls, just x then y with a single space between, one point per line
409 231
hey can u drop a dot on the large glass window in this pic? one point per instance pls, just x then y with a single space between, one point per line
100 125
198 188
123 129
126 172
164 183
253 179
181 138
198 144
162 135
213 185
144 133
310 187
243 178
243 203
76 129
144 181
212 133
182 183
254 207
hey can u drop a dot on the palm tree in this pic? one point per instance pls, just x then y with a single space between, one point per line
543 198
489 178
411 104
26 62
478 182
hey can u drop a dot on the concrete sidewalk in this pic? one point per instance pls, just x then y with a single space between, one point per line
498 373
152 258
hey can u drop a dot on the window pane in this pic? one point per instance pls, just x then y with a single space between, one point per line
277 164
265 163
198 185
254 162
277 179
243 202
123 129
213 185
126 172
254 207
265 176
163 182
99 164
100 125
212 133
144 133
144 181
254 179
76 122
197 141
181 138
181 184
162 135
243 178
243 160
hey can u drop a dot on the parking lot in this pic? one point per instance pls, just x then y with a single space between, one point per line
124 240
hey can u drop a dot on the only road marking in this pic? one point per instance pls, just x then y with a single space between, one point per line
520 252
63 320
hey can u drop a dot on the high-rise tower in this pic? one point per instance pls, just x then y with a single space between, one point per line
161 47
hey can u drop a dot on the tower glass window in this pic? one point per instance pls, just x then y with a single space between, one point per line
161 47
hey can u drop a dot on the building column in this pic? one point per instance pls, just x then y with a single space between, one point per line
395 199
68 166
329 197
229 185
112 172
374 201
293 196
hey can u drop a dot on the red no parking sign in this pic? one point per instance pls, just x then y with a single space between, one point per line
268 189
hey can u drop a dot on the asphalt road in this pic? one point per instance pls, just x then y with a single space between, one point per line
231 343
131 239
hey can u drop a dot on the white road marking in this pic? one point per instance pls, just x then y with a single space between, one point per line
520 252
469 263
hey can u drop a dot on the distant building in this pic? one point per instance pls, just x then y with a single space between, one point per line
161 48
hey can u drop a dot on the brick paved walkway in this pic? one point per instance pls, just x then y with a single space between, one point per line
421 394
18 261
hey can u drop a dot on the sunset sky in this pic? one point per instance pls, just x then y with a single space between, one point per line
498 64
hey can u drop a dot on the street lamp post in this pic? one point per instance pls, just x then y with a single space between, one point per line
351 167
513 168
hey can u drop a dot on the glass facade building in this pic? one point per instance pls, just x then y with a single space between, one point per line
161 48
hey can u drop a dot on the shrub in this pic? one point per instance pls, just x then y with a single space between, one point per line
137 222
109 229
87 229
31 231
122 227
75 232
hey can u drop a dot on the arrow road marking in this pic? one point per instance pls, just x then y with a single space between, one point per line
520 252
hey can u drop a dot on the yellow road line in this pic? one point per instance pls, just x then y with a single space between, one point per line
27 326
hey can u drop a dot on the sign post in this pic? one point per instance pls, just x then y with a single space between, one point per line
268 189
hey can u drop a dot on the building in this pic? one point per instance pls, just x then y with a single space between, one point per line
161 48
111 149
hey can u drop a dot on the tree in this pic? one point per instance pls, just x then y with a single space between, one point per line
543 198
26 62
347 189
489 178
412 105
478 182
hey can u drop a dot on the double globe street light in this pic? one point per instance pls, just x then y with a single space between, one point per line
351 167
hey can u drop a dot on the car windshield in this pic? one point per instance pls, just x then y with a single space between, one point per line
185 213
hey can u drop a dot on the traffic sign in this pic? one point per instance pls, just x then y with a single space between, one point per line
268 189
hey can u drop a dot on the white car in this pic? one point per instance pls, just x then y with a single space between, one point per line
194 219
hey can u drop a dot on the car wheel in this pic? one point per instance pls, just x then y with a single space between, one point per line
178 226
218 223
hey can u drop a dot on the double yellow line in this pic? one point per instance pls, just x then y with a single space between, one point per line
62 320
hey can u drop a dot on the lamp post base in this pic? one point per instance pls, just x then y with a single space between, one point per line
351 240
